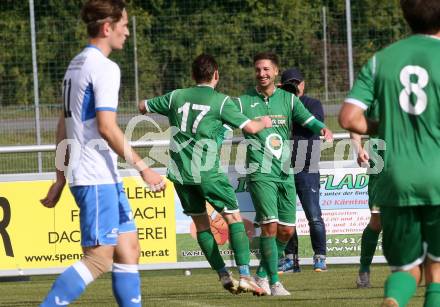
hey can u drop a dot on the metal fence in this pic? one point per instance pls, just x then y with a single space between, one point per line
328 40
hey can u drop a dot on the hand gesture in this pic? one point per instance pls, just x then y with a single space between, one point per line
53 195
327 134
267 121
154 181
363 157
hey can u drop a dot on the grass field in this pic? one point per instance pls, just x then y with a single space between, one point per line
171 288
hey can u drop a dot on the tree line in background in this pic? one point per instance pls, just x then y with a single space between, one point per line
170 33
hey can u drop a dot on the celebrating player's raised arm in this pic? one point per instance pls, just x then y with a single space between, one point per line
255 126
232 115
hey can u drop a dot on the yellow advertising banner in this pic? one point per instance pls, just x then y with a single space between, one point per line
35 237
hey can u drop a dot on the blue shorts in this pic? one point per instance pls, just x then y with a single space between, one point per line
104 213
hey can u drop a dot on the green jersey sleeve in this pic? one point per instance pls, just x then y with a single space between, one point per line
160 104
362 92
231 115
303 117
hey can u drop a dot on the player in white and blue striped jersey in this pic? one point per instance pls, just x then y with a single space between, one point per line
88 124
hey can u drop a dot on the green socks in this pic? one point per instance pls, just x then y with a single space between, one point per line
239 243
400 286
269 258
261 271
432 295
210 249
368 247
280 246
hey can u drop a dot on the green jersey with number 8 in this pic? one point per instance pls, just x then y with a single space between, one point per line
404 78
196 115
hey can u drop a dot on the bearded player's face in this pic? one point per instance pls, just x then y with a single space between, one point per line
265 73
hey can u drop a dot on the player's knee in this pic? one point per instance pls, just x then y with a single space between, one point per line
433 270
269 230
133 252
285 233
232 218
201 222
316 220
136 250
97 264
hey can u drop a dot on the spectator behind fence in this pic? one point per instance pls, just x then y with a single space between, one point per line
306 154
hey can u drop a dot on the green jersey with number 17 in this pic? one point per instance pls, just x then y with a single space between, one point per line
404 78
269 151
196 116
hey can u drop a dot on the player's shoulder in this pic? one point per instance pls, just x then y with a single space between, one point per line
248 96
98 62
180 93
222 97
280 92
406 44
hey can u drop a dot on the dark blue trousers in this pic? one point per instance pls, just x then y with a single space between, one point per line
307 188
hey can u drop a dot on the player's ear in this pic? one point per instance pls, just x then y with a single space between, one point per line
216 75
106 28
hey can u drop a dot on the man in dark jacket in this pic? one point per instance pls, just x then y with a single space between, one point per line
305 160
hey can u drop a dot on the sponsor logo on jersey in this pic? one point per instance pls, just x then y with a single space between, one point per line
274 142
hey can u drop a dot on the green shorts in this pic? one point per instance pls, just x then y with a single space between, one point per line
274 201
409 234
374 208
219 194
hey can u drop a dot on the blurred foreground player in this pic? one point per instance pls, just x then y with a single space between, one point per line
405 80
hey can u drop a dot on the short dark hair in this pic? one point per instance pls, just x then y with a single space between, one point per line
95 12
267 55
423 16
203 68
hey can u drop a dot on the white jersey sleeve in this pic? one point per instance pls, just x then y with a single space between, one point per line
106 83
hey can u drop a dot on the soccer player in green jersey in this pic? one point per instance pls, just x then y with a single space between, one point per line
270 176
370 235
197 115
405 80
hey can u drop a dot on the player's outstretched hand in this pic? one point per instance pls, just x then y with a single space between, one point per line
363 157
154 181
141 107
267 121
53 195
327 134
